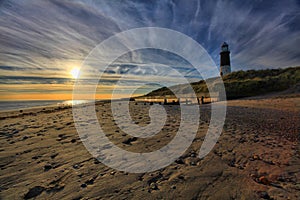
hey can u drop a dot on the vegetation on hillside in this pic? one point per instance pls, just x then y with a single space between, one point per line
241 84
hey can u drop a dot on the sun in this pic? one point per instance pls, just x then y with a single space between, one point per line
75 72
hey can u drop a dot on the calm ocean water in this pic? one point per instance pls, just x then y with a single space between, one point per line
17 105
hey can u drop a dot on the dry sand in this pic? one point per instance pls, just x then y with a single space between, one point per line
256 157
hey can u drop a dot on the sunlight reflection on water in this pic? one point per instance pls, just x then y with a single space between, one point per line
74 102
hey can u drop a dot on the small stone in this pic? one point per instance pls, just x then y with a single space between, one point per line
153 186
75 166
193 163
53 155
181 177
35 157
96 161
242 140
241 167
47 167
264 195
179 161
112 173
33 192
25 137
256 157
90 181
264 180
129 140
232 163
73 140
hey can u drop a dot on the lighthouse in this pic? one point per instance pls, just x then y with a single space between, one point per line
225 67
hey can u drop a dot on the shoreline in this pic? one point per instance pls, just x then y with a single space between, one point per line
289 103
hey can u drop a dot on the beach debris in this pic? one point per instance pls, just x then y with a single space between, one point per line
33 192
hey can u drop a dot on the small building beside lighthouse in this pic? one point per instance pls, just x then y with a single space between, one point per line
225 67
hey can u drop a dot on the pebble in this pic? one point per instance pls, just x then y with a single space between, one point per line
264 180
179 161
264 195
33 192
90 181
25 137
193 155
96 161
53 155
193 163
73 140
181 177
47 167
256 157
75 166
153 186
112 173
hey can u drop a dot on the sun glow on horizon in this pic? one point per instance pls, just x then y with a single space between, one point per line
75 72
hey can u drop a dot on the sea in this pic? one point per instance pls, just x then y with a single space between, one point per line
18 105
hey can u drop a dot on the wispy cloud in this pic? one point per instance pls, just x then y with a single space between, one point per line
40 41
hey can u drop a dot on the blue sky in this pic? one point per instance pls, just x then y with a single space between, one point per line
41 41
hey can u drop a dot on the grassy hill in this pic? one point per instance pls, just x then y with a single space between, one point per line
241 84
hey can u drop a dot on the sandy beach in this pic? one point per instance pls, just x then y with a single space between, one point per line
256 157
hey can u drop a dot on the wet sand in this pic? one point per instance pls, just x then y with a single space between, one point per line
256 157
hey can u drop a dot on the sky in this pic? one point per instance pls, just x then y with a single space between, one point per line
42 42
